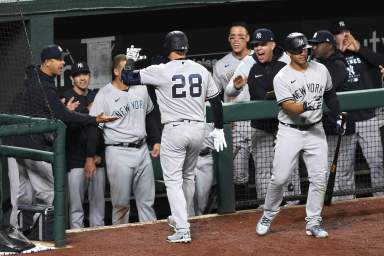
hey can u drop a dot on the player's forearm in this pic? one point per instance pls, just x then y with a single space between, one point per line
217 109
130 77
375 59
92 140
153 126
292 108
62 113
332 101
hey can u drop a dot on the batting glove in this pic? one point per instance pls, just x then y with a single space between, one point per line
340 126
314 104
218 139
134 54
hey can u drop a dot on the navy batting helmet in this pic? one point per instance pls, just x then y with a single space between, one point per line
296 42
175 41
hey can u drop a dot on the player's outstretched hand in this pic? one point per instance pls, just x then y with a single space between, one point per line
101 118
155 152
218 139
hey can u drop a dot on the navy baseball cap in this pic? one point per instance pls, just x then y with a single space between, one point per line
339 26
80 68
52 52
262 35
322 36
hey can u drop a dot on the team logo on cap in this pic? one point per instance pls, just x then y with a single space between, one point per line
80 65
315 35
300 41
341 23
258 35
59 48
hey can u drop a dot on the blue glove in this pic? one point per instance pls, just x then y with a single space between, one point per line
129 77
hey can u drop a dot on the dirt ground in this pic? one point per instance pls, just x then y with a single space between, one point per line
355 228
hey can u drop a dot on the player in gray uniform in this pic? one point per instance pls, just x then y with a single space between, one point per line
300 88
182 87
223 70
129 166
270 59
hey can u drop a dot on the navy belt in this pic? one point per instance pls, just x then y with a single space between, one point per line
302 127
136 144
205 151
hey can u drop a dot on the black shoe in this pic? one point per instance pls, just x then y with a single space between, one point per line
7 244
19 238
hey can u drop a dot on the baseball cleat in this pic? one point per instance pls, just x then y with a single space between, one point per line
171 222
263 225
180 237
317 232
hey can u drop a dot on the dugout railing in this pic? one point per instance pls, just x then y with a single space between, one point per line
13 125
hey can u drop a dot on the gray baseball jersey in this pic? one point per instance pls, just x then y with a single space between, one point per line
182 86
226 68
130 106
129 169
290 84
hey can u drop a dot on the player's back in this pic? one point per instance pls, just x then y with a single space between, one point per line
182 88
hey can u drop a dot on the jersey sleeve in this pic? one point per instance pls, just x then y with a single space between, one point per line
150 74
97 105
244 66
328 85
281 89
212 89
217 78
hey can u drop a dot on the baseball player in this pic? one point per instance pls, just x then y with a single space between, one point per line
223 70
300 88
129 166
76 154
270 59
324 51
182 87
363 74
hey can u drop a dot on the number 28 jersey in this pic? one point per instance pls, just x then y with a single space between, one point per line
182 87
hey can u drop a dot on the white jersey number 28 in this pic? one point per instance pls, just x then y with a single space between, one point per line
179 90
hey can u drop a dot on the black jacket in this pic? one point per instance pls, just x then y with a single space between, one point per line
260 81
337 67
40 99
363 73
76 144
